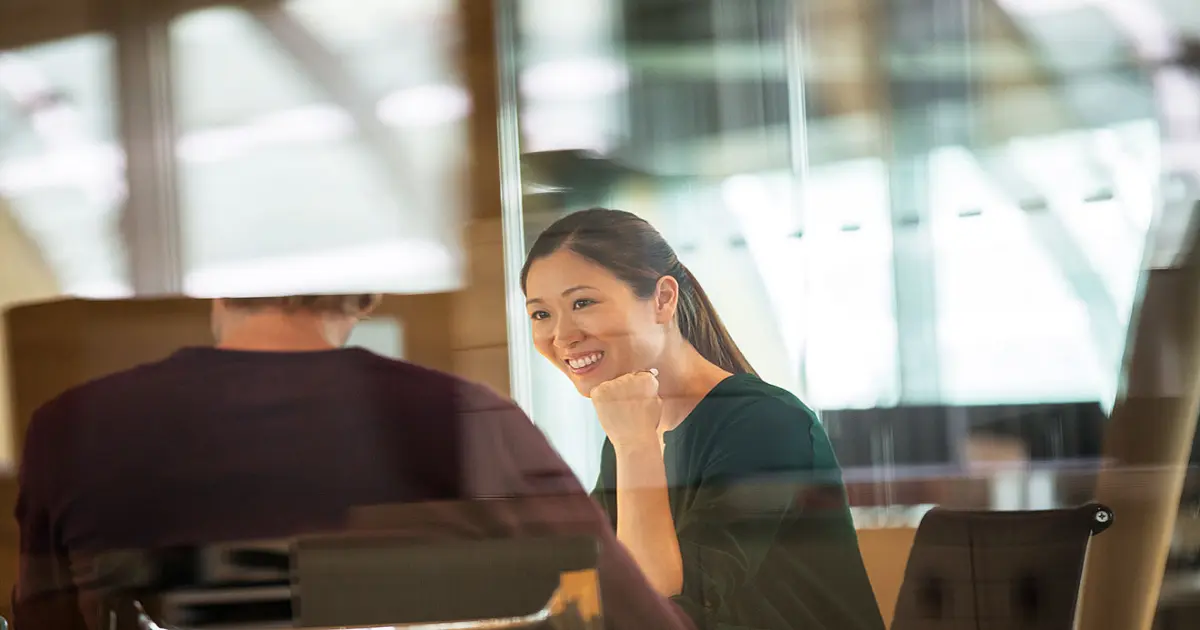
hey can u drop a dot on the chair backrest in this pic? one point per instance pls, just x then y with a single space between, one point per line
1011 570
244 583
380 579
371 579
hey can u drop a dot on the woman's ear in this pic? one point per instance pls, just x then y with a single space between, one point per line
666 299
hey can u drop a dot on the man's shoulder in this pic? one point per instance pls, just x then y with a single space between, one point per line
393 381
475 397
467 395
98 392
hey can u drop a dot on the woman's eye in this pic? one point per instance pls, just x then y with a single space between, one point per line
583 303
538 315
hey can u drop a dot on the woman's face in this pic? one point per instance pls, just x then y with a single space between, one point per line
589 323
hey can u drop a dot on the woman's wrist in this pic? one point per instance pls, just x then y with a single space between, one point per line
638 445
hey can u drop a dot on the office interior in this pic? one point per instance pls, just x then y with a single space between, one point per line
961 230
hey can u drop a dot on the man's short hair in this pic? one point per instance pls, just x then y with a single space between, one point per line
350 305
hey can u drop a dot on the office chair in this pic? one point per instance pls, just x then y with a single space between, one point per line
369 580
382 578
976 570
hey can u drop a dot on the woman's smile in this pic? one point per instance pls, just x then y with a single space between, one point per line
581 364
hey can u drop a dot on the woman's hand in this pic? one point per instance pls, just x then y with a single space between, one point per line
629 409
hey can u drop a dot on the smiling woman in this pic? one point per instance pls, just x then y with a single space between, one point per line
604 266
724 488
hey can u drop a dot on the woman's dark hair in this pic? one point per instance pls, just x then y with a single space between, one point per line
632 250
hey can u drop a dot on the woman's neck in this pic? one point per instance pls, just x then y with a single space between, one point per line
684 379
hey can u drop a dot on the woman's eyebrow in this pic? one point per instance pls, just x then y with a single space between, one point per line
582 287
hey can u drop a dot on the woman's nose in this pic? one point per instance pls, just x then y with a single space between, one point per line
566 333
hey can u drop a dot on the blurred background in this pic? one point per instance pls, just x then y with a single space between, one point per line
935 221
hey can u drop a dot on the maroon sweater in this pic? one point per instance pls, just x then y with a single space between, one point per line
215 445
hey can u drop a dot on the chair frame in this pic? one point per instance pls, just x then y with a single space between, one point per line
575 602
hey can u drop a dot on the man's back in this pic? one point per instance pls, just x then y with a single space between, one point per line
217 445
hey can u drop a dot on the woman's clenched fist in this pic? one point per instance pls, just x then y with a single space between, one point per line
629 408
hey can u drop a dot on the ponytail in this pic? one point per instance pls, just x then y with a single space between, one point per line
702 327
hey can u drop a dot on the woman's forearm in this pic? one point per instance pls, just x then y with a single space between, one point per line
644 522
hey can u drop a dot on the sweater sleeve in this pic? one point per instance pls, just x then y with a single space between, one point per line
752 480
44 595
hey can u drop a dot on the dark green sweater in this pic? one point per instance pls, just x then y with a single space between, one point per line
761 514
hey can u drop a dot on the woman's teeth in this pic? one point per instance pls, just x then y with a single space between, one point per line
582 362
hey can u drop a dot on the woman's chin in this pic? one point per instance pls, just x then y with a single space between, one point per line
584 386
585 383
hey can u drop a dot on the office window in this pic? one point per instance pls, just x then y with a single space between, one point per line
1010 328
383 336
320 149
850 337
61 163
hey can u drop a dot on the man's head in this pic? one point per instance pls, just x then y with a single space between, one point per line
289 323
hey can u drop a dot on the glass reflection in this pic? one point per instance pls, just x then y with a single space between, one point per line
960 235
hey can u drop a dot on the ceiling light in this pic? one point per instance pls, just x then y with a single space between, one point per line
569 79
77 163
1043 7
21 78
67 166
304 125
425 106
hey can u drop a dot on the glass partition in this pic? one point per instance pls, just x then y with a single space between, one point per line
892 206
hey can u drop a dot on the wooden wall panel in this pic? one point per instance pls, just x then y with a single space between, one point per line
480 329
480 322
24 277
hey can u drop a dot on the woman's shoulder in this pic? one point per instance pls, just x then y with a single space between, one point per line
746 392
756 426
745 402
